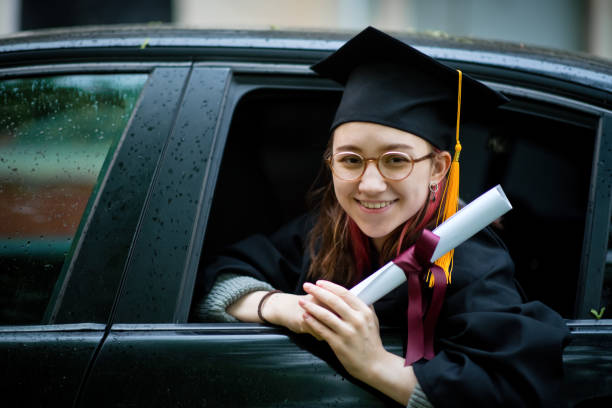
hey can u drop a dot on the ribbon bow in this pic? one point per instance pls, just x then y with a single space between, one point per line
414 261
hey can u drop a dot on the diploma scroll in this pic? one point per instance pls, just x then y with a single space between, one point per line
460 227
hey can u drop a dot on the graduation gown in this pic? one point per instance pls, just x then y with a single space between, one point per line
492 349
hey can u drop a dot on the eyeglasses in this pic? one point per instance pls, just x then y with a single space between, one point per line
351 166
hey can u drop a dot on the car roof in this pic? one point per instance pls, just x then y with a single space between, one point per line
167 42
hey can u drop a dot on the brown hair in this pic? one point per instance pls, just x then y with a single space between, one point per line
332 246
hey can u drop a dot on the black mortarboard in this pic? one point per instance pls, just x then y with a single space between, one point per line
390 83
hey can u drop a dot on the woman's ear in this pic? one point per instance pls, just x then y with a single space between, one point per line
441 164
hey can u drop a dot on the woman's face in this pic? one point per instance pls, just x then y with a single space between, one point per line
376 204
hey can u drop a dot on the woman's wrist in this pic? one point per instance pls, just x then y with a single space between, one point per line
245 308
273 307
262 302
389 375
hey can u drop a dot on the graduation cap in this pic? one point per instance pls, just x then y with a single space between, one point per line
391 83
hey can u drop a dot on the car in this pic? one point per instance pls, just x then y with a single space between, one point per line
127 154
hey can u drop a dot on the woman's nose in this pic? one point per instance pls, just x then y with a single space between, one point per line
372 181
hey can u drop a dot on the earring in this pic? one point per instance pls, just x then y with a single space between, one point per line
433 189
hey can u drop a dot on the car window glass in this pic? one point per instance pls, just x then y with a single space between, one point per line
55 134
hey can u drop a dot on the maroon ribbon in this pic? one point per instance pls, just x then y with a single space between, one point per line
415 261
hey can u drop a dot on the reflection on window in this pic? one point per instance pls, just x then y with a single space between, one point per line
55 134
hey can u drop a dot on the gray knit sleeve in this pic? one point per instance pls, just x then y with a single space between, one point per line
227 289
418 399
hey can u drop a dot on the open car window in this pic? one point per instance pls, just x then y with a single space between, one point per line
541 154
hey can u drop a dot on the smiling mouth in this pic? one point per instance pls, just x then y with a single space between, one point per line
375 205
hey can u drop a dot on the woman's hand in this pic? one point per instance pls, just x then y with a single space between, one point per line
346 323
351 329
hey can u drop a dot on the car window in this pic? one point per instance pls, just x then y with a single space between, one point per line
55 135
526 147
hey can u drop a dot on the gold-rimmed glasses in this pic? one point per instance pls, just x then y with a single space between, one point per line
351 166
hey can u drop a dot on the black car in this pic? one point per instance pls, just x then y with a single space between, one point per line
125 151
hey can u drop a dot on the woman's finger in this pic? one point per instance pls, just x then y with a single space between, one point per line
325 316
318 329
349 298
329 300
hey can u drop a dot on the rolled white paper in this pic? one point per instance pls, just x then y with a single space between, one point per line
470 219
379 283
454 231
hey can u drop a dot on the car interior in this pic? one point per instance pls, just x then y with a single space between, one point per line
540 153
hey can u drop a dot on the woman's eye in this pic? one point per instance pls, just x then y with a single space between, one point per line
396 160
351 160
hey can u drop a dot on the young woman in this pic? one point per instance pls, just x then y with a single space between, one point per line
389 161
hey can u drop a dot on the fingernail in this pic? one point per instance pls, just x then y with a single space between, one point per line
306 316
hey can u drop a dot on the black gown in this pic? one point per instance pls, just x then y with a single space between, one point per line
492 349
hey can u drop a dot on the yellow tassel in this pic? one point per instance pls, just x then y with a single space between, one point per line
450 197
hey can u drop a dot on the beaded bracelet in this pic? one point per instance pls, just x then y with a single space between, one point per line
261 302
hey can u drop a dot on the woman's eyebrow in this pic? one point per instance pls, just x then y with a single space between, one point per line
346 148
354 148
398 146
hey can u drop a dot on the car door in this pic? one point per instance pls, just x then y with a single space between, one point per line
234 114
78 147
